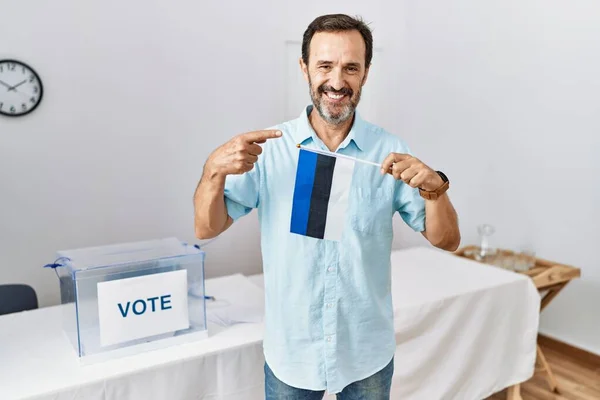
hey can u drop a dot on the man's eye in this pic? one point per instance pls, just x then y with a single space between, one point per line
325 67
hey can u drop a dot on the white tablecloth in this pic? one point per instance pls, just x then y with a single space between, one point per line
464 331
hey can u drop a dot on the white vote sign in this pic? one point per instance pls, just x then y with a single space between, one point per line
143 306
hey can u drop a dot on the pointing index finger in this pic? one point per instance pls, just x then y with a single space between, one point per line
261 136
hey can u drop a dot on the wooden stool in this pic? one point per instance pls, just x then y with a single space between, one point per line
549 278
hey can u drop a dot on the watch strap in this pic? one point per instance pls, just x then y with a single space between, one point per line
435 194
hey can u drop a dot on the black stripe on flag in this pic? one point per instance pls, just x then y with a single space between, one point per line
320 196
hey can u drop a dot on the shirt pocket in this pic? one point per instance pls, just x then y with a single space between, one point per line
372 211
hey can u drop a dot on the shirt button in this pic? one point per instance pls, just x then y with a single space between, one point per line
329 338
329 305
330 269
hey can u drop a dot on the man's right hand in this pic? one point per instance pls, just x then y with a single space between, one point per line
239 154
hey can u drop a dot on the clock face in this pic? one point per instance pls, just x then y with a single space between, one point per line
20 88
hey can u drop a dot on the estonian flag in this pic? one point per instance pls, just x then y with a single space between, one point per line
321 195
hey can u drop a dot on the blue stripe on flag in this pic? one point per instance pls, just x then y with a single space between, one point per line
305 176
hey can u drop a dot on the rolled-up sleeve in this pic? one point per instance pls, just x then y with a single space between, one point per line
407 201
411 206
242 193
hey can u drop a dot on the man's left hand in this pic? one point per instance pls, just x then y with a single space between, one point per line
411 171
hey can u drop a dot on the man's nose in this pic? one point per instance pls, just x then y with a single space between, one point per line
336 79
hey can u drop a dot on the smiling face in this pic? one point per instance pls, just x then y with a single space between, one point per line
335 73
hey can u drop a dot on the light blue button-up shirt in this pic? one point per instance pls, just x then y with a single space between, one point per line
328 304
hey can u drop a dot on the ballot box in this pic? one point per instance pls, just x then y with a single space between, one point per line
127 298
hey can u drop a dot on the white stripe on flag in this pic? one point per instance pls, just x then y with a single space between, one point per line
338 199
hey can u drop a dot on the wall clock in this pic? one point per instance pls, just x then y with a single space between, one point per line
20 88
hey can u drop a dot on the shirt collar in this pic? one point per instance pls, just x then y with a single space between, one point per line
306 131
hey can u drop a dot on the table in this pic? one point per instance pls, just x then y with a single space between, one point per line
549 278
462 331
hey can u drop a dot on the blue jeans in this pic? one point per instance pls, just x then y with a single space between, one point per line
375 387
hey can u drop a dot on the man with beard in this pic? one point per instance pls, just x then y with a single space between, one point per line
328 306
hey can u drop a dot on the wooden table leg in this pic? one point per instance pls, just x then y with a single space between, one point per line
550 378
552 293
514 393
549 374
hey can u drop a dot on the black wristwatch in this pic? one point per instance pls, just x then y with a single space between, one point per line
435 194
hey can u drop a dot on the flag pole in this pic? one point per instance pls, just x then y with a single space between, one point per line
332 154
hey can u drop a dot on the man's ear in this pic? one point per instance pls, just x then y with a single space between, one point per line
366 75
304 68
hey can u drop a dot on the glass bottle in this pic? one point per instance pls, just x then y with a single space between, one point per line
485 249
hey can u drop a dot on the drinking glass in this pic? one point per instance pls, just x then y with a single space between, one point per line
525 259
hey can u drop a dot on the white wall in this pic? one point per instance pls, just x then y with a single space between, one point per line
137 94
505 96
502 95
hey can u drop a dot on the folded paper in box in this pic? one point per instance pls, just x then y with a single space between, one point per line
127 298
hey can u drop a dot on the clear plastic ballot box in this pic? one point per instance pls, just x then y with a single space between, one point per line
128 298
